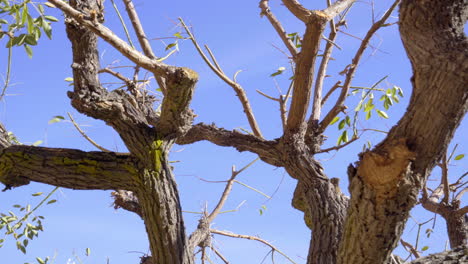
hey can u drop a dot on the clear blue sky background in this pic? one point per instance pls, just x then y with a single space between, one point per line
241 40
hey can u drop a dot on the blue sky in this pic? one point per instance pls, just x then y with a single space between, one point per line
241 40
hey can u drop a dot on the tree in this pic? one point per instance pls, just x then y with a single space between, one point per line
384 183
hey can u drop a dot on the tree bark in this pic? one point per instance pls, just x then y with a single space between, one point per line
386 182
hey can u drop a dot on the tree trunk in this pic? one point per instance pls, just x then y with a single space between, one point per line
457 229
387 180
161 211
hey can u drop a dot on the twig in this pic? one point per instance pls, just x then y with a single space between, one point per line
219 255
227 190
340 146
213 58
229 234
330 92
253 189
410 248
139 31
237 88
353 67
278 27
107 35
123 24
86 136
116 75
8 73
267 96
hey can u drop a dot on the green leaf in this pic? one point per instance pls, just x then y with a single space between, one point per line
25 243
19 40
348 120
31 40
51 201
459 157
69 79
424 248
47 29
30 24
341 124
48 4
56 119
28 51
40 260
41 8
37 194
171 45
24 15
88 252
278 72
51 18
178 35
3 21
381 113
344 136
368 115
335 120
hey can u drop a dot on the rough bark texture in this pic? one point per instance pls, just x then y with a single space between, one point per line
69 168
458 255
385 185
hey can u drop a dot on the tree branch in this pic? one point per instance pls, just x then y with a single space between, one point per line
298 10
240 92
303 75
68 168
278 27
337 7
107 35
139 31
229 234
265 149
339 105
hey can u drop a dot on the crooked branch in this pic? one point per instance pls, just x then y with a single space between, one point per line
237 87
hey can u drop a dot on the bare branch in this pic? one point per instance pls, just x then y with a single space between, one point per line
68 168
462 211
317 101
87 137
298 10
304 72
213 58
219 255
337 7
133 15
353 67
278 27
460 194
107 35
265 149
410 248
340 146
330 92
229 234
267 96
237 88
116 75
227 190
444 166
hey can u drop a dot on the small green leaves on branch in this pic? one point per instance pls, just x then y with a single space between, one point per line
278 72
21 27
